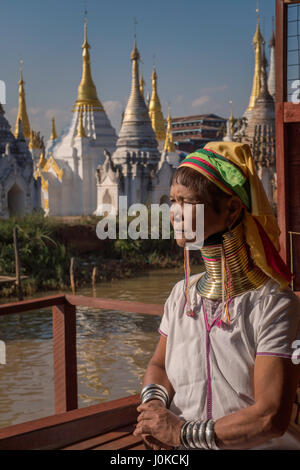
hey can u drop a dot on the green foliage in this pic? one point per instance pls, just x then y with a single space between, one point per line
46 261
42 258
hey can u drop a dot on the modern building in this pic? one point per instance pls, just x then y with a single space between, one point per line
192 132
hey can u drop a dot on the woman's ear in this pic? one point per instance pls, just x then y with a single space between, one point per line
234 208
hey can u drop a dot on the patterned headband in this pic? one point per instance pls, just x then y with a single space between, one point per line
222 172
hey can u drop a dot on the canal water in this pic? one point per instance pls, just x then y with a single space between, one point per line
113 348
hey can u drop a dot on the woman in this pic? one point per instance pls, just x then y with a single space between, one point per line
222 375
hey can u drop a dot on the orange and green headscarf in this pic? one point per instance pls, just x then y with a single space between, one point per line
224 174
231 167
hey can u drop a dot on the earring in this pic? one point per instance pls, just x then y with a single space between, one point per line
229 234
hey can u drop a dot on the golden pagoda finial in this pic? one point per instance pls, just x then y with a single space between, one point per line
155 112
169 143
142 85
80 129
22 111
87 93
135 55
258 42
53 135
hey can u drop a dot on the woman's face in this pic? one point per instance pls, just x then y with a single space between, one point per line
213 222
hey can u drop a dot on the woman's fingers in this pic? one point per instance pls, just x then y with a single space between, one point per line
152 404
142 428
145 415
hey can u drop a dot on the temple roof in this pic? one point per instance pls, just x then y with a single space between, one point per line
136 130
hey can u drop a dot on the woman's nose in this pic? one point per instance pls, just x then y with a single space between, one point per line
176 212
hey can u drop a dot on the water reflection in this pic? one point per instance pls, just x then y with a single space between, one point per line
113 349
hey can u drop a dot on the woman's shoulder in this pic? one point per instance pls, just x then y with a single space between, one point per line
271 289
274 304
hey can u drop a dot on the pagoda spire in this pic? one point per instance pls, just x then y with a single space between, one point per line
258 42
53 135
142 85
87 93
136 131
169 143
231 119
22 111
272 72
155 112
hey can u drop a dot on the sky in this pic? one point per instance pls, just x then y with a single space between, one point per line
202 50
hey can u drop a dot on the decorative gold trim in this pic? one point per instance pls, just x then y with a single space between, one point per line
53 135
22 110
155 112
169 143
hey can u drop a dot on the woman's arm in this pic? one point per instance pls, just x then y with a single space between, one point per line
275 384
155 372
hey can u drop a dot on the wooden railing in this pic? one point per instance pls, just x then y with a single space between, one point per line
64 336
64 339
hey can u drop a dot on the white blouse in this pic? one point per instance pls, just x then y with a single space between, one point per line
211 365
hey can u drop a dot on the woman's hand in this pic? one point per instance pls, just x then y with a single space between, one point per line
160 423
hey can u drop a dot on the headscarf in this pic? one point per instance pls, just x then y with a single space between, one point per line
231 167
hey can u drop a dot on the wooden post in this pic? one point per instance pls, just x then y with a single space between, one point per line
94 275
281 130
72 278
18 265
64 357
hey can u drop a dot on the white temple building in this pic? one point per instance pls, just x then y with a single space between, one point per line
68 166
258 130
19 192
137 169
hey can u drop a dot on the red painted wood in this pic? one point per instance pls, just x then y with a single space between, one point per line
64 357
58 431
291 112
281 52
138 447
101 439
123 443
112 304
281 154
31 304
282 181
